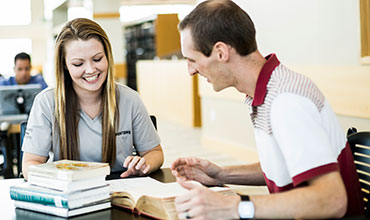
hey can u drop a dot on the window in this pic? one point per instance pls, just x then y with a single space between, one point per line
15 12
10 48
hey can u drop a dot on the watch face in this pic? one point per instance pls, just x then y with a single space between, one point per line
246 210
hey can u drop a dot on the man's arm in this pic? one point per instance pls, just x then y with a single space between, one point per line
208 173
323 197
250 174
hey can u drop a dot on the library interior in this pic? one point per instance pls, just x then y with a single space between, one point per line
325 41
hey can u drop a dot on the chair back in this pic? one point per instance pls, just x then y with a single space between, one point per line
20 152
360 146
154 121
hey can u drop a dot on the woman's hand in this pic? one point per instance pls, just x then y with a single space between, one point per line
136 166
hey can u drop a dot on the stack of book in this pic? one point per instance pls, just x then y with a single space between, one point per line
64 188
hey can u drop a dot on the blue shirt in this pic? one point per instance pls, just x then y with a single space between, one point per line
37 79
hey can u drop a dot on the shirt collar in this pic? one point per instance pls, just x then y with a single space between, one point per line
263 78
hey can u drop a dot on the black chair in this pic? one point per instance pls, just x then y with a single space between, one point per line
6 168
20 152
360 146
154 121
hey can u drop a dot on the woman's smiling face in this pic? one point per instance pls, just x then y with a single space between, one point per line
87 64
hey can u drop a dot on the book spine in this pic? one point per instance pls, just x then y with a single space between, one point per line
42 208
28 196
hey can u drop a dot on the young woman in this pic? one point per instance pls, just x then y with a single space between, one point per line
88 116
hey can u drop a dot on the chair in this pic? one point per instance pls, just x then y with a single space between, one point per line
154 121
6 168
20 152
360 146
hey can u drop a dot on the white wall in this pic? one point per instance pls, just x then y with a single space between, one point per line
112 26
313 32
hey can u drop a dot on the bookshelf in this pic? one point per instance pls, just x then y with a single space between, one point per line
148 38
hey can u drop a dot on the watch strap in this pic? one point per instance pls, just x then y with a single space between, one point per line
244 197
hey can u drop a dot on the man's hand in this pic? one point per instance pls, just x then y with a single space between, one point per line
203 203
136 166
197 169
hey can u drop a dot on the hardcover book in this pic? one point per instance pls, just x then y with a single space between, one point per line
64 185
70 170
31 193
63 212
147 196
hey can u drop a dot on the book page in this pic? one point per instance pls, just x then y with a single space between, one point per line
146 186
136 187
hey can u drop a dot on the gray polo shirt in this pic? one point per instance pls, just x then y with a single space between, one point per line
134 129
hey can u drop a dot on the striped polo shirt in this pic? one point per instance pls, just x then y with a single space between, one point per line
298 136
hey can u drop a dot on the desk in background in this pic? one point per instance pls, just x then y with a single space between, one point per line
10 147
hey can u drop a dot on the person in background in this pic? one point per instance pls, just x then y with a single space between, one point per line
88 116
304 160
22 69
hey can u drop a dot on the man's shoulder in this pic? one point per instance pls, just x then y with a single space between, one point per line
8 82
36 78
3 82
283 80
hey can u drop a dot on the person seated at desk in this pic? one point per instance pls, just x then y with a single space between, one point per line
22 69
304 160
88 116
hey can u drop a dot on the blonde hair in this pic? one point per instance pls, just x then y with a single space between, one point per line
66 99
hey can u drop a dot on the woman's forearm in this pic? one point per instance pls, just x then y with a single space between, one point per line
154 158
30 159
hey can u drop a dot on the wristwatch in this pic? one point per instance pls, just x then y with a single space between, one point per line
245 208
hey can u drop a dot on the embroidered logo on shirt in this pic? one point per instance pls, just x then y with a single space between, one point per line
123 133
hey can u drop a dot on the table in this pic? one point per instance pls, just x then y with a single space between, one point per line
8 211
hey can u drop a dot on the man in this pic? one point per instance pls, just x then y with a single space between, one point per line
304 159
22 69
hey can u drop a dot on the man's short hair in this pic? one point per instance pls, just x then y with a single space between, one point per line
220 20
22 56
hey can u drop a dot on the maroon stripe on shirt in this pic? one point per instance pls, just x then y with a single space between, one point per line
317 171
263 78
273 188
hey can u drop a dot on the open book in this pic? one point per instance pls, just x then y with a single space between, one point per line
147 196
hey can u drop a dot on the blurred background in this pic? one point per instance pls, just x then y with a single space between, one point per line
329 41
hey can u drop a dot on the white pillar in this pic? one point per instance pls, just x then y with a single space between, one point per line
106 13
